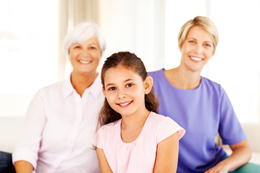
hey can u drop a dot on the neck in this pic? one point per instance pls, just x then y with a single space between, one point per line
81 82
135 120
186 79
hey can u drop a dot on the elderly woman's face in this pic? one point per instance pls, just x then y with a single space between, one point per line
197 49
84 57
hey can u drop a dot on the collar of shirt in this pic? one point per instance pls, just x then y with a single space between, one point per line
94 89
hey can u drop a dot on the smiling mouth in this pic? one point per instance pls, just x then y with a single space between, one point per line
85 61
124 104
196 59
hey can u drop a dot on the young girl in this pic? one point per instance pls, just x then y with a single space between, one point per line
133 138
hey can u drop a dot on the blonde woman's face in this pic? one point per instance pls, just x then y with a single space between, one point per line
197 49
84 57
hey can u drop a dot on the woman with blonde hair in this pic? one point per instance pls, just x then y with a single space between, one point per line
62 117
200 105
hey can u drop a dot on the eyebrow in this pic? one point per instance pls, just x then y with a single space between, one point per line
209 42
204 41
127 80
81 43
93 43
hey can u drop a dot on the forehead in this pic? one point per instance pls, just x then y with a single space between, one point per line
92 40
199 33
120 74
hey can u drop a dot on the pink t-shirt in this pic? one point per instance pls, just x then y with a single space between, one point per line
139 155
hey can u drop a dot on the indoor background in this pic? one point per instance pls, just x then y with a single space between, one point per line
31 35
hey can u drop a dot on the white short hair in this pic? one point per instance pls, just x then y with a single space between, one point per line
81 33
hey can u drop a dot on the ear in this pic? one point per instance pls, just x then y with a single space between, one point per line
100 54
180 47
148 84
213 52
104 92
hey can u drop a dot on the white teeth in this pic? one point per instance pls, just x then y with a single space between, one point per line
196 59
124 104
84 62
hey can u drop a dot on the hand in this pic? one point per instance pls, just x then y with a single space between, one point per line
219 168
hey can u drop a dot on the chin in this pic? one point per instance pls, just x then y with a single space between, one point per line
125 114
195 68
87 72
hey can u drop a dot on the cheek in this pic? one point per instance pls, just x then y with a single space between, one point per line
209 54
96 55
136 92
110 96
185 50
73 55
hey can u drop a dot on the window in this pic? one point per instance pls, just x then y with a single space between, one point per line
28 38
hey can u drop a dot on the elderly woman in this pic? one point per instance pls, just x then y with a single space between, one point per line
62 117
200 105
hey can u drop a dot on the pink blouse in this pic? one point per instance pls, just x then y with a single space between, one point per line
139 155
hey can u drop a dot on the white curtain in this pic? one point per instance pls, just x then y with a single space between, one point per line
136 26
71 13
28 43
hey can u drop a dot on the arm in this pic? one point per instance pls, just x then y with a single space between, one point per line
167 155
104 166
26 150
241 155
23 167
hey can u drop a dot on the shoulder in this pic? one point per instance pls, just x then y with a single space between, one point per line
165 127
212 86
159 81
49 94
156 74
163 120
160 120
154 117
110 128
210 82
106 134
53 87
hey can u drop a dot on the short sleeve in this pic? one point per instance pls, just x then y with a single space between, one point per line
230 129
167 128
97 139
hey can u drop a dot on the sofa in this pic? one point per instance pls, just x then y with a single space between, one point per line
11 126
252 132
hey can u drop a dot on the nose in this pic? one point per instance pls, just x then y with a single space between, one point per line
85 51
122 95
199 49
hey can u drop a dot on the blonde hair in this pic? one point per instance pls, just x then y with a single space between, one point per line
202 22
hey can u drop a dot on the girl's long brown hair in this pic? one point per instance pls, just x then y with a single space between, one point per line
129 61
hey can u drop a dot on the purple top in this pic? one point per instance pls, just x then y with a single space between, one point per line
202 112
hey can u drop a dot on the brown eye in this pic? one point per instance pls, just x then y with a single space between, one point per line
111 88
129 85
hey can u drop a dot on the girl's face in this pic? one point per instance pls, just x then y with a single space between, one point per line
197 49
125 90
85 56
